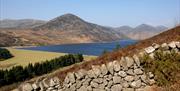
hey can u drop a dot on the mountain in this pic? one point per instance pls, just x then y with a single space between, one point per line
22 23
141 32
64 29
74 27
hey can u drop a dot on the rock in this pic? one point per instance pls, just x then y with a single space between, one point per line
130 72
149 49
151 75
122 73
35 86
165 46
103 69
78 84
96 70
136 60
52 83
116 87
117 79
138 71
80 74
82 88
91 74
71 77
146 88
89 88
27 87
98 80
110 67
144 78
156 46
128 89
151 55
177 44
123 63
125 84
151 81
172 44
129 61
42 87
94 84
99 89
73 87
116 66
129 78
136 84
110 83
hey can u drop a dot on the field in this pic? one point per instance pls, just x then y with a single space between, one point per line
24 57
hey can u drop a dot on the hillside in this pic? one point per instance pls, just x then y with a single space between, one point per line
168 36
141 32
20 24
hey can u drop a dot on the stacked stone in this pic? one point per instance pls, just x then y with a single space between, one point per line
125 74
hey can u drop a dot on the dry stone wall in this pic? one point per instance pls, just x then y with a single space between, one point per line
125 74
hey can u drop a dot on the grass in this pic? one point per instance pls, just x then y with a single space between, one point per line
24 57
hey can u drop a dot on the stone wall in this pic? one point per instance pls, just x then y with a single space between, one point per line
125 74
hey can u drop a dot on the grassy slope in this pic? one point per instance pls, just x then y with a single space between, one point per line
24 57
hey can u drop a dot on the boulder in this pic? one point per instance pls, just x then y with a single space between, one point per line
138 71
116 66
130 72
35 86
129 61
96 70
129 78
136 60
128 89
125 84
103 69
136 84
110 67
82 88
71 77
117 79
149 49
91 74
123 63
156 46
80 74
122 74
172 44
94 84
151 75
52 83
27 87
116 87
165 46
177 44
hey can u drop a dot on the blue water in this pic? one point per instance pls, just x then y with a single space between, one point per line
84 48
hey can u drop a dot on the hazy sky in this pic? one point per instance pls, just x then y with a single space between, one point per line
104 12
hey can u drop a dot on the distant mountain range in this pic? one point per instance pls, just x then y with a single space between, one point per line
69 28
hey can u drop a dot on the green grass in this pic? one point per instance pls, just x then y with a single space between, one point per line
24 57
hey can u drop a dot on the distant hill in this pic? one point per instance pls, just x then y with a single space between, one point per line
141 32
22 23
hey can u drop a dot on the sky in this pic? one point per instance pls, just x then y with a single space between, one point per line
112 13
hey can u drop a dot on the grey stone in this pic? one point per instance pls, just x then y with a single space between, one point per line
129 78
116 87
110 67
103 69
151 75
91 74
130 72
117 79
96 70
177 44
136 84
41 86
149 49
156 46
165 46
128 89
27 87
52 83
144 78
89 88
151 81
138 71
110 83
44 83
122 73
94 84
66 80
82 88
136 60
73 87
172 44
98 80
80 74
78 84
151 55
129 61
71 77
123 63
125 84
116 66
35 86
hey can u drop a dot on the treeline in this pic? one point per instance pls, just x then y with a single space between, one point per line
19 73
4 54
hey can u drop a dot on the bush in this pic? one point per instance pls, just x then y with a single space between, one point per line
18 73
4 54
165 66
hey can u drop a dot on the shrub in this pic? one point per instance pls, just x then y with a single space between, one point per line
4 54
165 66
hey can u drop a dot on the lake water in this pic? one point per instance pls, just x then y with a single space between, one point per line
84 48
